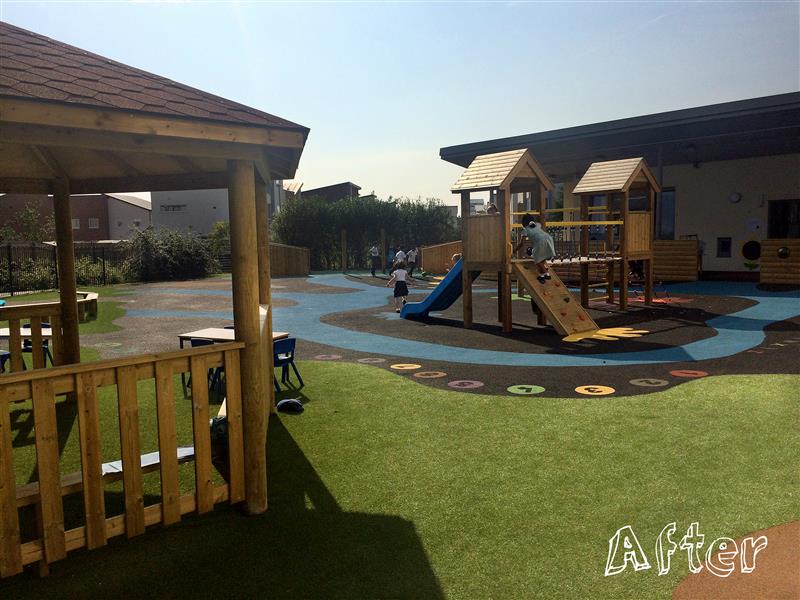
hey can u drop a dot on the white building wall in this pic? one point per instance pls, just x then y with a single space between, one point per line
193 210
201 209
125 218
703 208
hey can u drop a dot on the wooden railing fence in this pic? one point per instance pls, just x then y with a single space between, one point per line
41 387
32 316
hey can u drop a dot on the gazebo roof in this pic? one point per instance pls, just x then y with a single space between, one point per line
109 127
491 171
615 176
35 66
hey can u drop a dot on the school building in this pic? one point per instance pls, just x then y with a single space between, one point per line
730 172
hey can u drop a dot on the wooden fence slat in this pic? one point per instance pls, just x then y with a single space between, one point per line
233 404
36 343
91 460
56 342
15 345
202 435
10 550
129 446
167 443
46 434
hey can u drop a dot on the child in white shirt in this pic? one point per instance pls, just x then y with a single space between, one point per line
400 287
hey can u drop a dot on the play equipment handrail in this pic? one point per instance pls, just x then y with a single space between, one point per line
553 224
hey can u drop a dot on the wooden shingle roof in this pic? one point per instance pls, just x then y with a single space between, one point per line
490 171
615 176
36 67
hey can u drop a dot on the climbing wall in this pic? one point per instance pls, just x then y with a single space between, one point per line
560 307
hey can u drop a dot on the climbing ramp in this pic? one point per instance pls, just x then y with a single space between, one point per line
554 299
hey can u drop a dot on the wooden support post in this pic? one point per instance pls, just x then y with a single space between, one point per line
648 265
265 286
384 250
466 280
67 290
344 250
244 268
623 250
505 282
609 249
584 244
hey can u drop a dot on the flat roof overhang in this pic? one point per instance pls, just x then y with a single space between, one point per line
742 129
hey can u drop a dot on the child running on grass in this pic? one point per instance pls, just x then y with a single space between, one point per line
400 286
541 247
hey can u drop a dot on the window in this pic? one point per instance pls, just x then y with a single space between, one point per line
137 222
665 215
76 223
94 223
723 247
783 219
173 208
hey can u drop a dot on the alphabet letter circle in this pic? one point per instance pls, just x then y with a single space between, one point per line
688 373
465 384
525 389
405 367
328 357
430 374
649 382
595 390
371 361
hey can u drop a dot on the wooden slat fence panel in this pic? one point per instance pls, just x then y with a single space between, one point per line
436 259
83 380
780 268
676 260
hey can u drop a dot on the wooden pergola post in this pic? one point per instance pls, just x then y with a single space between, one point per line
505 281
67 291
344 250
245 275
466 280
265 285
584 245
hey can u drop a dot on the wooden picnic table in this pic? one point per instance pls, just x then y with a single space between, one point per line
25 333
217 334
220 334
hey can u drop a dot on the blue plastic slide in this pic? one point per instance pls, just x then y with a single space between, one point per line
441 298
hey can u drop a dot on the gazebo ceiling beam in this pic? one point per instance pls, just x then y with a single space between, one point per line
135 122
21 185
151 183
110 141
122 164
48 160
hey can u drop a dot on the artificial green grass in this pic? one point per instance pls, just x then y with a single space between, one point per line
386 488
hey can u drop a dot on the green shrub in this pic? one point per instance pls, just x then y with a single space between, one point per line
160 255
90 272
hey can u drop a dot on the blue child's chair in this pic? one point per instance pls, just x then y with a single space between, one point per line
27 345
4 358
283 356
214 375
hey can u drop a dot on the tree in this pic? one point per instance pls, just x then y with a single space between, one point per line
317 224
29 225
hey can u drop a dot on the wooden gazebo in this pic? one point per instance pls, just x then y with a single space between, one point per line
72 122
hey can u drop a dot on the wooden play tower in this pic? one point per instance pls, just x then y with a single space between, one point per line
486 239
626 189
615 226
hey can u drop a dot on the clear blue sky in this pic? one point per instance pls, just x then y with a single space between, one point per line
384 86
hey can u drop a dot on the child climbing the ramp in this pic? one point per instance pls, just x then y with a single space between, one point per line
541 248
400 287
